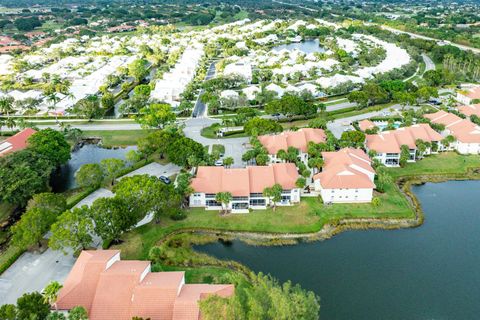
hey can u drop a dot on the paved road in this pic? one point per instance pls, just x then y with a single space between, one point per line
338 126
33 271
429 65
155 169
200 109
234 147
438 41
339 106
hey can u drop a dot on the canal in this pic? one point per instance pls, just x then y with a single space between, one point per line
429 272
64 178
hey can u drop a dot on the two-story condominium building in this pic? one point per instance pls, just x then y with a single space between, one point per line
466 133
387 144
470 110
297 139
469 95
109 288
246 186
347 177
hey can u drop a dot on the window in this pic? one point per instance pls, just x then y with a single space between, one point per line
256 195
257 202
213 203
239 198
210 195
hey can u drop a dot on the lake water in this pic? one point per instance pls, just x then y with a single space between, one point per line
429 272
308 46
64 179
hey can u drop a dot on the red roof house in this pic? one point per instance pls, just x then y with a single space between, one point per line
16 142
109 288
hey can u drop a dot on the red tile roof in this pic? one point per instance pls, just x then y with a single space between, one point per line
463 130
16 142
242 182
366 124
473 109
119 290
346 169
297 139
391 141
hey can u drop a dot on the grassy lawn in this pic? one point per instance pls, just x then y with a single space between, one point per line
308 216
443 163
209 132
218 149
118 138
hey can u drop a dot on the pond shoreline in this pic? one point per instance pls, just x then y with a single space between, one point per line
329 230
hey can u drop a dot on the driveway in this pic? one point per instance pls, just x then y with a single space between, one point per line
234 147
338 126
33 271
155 169
200 109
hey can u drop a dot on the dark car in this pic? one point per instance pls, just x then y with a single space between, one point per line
165 180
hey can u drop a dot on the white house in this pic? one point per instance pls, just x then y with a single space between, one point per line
467 96
347 177
466 133
246 186
240 68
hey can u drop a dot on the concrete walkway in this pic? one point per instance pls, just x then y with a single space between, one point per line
33 270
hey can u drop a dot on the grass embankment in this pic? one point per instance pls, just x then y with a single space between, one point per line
118 138
307 217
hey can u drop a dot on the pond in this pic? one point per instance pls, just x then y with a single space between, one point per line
307 46
429 272
64 178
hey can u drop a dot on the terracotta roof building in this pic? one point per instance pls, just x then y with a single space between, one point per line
466 133
366 125
468 96
245 184
387 144
109 288
16 142
347 177
470 110
296 139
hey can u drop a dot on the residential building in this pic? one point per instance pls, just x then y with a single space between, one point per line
239 68
466 133
347 177
296 139
468 95
470 110
366 125
16 142
387 144
246 186
109 288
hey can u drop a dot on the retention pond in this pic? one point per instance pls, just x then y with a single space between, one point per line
429 272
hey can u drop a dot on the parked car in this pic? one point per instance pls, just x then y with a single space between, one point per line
165 179
219 163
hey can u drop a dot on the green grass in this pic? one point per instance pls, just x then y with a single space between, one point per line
308 216
209 132
197 274
118 138
218 149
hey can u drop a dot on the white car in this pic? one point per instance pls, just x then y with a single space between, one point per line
219 163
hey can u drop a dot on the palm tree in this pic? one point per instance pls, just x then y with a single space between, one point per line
273 193
6 105
224 198
10 123
228 161
50 293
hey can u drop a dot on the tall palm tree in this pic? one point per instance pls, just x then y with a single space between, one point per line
6 105
224 198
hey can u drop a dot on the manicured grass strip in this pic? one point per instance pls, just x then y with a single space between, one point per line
118 138
308 216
